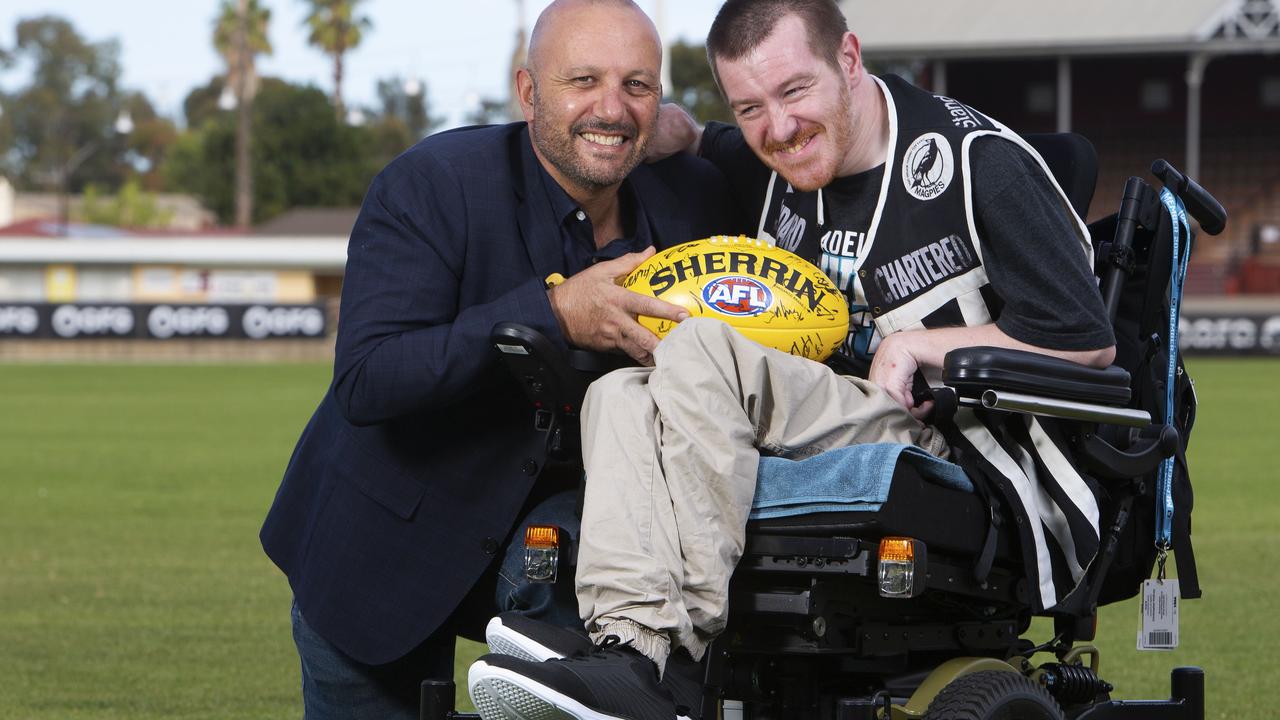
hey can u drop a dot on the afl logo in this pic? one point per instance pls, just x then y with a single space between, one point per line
738 296
928 166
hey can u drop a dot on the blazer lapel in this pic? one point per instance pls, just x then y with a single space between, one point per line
538 227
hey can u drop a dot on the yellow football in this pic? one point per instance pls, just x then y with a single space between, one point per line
764 292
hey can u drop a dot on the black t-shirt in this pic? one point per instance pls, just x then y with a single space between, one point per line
1048 293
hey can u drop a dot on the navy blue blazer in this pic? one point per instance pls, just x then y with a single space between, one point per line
413 469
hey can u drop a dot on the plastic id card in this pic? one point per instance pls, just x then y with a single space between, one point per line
1159 628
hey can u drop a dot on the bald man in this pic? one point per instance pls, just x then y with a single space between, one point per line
422 459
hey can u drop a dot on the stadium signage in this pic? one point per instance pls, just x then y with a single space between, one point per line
18 320
166 321
73 321
261 322
1229 334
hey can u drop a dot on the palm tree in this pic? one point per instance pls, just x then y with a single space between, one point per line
335 29
226 33
240 35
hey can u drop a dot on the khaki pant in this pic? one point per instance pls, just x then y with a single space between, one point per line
671 454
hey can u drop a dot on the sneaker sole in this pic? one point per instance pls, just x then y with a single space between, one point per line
499 694
503 640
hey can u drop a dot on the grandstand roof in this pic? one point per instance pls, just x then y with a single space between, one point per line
944 29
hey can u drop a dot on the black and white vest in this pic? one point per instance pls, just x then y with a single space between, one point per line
918 266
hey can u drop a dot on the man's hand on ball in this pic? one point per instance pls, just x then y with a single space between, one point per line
893 367
677 132
596 313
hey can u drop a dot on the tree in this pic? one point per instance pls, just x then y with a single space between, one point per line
131 207
148 142
304 156
406 102
226 39
201 104
489 111
694 85
402 120
335 29
58 130
240 35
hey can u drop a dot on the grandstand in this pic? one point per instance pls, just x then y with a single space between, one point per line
1194 81
107 288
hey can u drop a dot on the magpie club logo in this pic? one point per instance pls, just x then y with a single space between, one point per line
928 166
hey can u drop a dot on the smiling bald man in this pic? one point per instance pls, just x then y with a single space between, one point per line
422 459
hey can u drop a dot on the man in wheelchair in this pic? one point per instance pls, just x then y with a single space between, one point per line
864 176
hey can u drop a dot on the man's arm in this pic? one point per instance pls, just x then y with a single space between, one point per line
596 313
1037 268
724 147
405 344
677 132
901 354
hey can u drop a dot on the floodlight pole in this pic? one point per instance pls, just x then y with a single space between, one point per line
62 175
1195 81
660 20
64 183
519 57
939 77
1064 94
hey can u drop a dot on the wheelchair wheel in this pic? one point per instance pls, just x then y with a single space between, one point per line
993 695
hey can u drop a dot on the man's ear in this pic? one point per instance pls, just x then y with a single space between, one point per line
850 58
524 91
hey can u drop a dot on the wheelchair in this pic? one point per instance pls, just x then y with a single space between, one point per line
920 609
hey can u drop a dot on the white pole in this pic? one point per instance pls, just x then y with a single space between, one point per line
1064 94
660 20
1195 80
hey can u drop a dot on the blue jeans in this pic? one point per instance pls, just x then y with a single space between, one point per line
554 603
338 687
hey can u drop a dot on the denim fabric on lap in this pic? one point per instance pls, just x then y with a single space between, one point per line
855 478
556 602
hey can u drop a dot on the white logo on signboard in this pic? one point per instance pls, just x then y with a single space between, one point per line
928 166
166 321
18 320
71 321
262 322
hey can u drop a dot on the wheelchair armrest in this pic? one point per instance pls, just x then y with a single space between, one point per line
541 367
974 371
1032 383
553 378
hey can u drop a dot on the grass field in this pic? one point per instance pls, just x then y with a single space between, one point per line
132 584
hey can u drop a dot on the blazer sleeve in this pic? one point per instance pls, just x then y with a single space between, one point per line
405 344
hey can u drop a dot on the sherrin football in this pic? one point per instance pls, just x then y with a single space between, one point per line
766 293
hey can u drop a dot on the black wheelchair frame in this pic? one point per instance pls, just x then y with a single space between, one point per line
810 636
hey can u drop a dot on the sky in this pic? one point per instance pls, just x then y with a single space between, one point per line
460 49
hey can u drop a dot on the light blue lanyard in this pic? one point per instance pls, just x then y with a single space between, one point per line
1181 254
